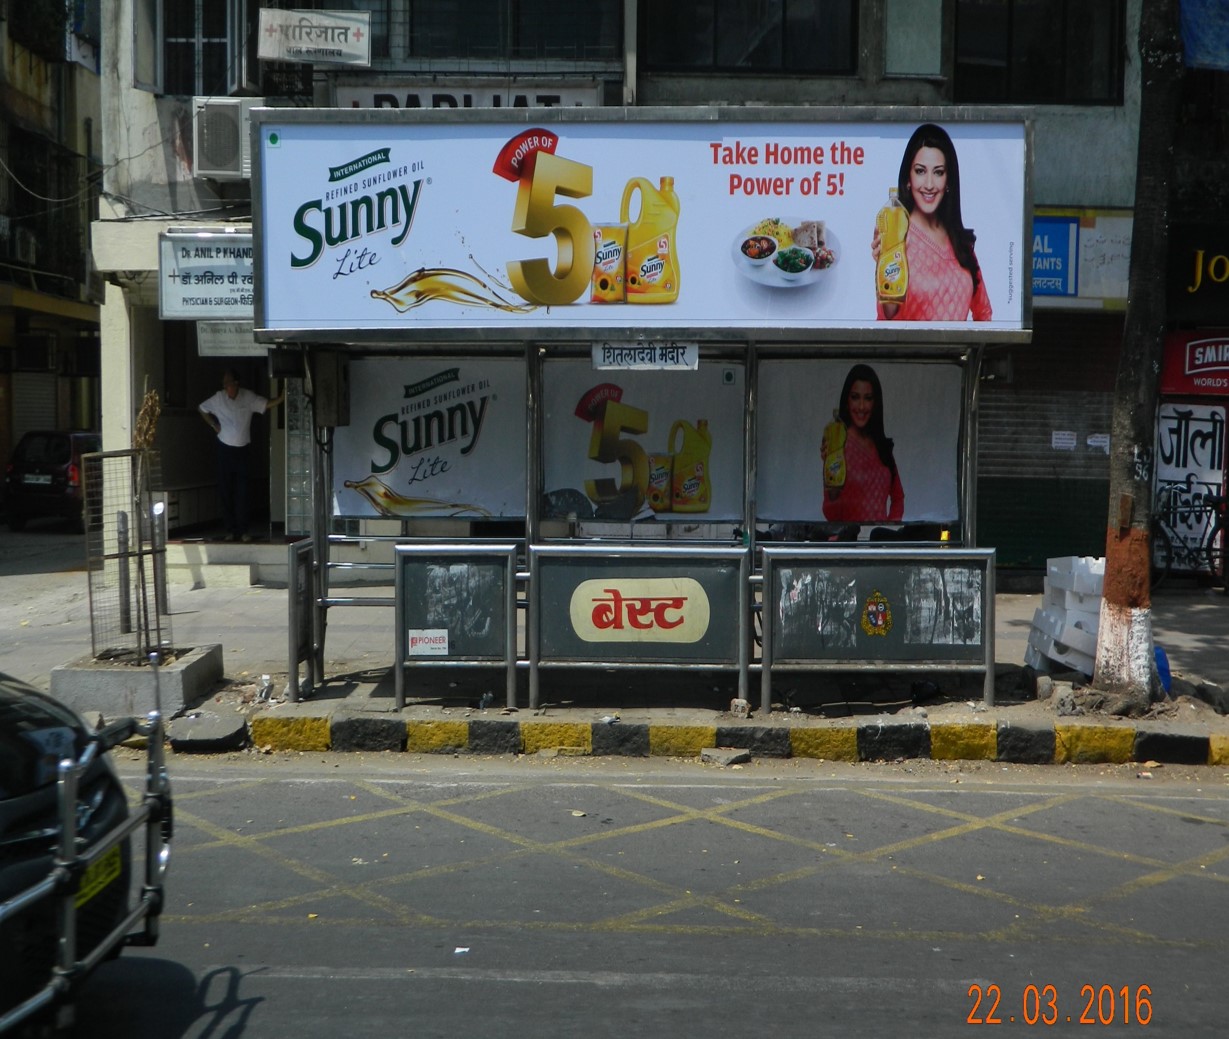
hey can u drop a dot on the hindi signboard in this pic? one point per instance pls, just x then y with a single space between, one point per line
318 37
204 276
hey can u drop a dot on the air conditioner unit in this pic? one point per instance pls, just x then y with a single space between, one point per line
221 143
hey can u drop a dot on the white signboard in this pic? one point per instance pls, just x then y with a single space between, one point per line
643 445
204 276
440 437
468 93
646 356
1191 449
318 37
814 468
417 223
227 339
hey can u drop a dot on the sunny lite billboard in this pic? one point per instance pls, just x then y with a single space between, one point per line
398 225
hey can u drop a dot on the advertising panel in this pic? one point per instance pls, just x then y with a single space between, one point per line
897 609
1190 441
1197 272
1196 364
638 607
432 438
635 445
402 223
847 442
453 607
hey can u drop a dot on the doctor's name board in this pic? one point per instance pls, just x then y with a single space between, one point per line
205 276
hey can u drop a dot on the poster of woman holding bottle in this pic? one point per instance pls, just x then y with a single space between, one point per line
925 264
882 448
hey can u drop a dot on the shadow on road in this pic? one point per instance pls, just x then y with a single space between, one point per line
46 546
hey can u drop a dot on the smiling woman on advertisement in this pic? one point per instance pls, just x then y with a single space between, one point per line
861 482
926 269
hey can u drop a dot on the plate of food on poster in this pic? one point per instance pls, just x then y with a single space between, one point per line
785 252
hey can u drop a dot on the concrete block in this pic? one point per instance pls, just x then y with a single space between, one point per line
120 690
206 731
725 756
763 740
1172 748
1025 744
887 742
360 731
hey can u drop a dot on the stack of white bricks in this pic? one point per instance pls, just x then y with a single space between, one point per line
1064 627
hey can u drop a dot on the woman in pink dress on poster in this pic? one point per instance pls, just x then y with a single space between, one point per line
861 483
945 279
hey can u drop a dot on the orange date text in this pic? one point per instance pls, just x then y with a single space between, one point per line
1046 1005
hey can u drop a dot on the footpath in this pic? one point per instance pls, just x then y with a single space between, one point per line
44 623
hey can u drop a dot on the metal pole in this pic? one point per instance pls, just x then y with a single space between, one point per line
766 635
125 574
157 533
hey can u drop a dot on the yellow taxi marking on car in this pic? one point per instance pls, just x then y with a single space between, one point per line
98 875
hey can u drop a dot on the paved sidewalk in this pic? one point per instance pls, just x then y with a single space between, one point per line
46 624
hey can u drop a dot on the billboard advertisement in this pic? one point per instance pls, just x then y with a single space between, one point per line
1196 363
432 438
400 224
643 445
845 442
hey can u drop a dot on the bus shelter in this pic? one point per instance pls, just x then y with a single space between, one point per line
653 349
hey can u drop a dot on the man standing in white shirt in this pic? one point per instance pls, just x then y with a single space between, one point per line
229 414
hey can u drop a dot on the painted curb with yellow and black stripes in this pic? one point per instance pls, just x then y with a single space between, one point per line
871 740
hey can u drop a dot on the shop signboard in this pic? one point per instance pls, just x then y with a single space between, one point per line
227 339
1056 241
484 92
1190 447
1198 273
907 415
204 275
643 446
398 224
317 37
1196 364
432 438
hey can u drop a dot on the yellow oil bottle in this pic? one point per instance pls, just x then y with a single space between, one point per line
832 450
892 273
652 247
691 487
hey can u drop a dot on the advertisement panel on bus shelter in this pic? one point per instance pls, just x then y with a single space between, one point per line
432 437
404 224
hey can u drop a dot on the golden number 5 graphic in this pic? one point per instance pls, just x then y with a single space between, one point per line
537 216
605 446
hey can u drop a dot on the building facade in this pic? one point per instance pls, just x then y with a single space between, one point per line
1042 432
50 147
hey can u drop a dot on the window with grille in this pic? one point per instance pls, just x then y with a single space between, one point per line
819 37
1056 52
515 30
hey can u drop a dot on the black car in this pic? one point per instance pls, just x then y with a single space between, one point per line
44 476
66 851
